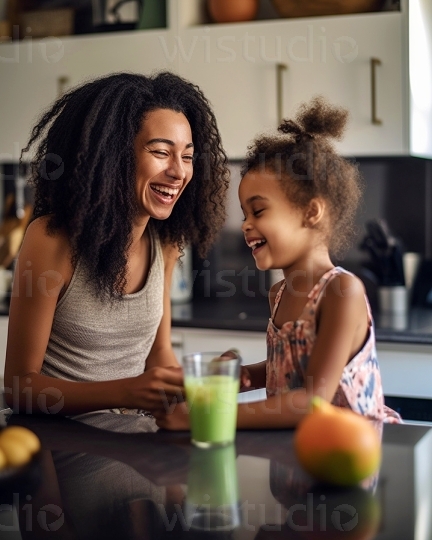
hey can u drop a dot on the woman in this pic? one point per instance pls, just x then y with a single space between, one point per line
128 170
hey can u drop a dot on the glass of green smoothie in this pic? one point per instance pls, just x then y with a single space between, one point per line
212 500
212 384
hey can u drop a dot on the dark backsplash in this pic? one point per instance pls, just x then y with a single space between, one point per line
395 190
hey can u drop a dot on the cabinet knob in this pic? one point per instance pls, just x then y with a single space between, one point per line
280 68
374 62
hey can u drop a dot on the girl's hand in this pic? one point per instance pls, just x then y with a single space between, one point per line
176 418
245 377
156 388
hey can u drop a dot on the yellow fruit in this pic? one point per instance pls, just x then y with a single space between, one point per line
336 445
24 435
17 454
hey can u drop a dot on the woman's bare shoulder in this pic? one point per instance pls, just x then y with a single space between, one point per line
39 229
44 247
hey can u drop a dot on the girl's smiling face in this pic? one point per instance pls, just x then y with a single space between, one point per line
273 227
164 161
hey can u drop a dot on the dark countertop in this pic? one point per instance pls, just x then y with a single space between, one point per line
105 479
251 314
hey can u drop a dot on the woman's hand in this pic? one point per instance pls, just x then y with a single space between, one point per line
157 388
177 418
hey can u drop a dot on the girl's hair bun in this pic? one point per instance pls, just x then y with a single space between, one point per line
317 118
289 127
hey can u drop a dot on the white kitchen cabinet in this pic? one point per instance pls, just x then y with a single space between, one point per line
29 74
252 345
136 51
338 57
34 73
406 369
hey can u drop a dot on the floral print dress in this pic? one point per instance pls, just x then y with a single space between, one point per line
289 349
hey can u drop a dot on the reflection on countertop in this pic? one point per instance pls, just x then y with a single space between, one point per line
251 314
110 477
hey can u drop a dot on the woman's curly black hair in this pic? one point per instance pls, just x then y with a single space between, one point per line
84 170
307 165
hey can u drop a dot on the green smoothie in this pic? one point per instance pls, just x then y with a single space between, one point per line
212 404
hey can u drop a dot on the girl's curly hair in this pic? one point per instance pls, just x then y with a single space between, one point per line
84 170
308 166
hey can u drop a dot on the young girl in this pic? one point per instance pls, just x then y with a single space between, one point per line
127 170
299 198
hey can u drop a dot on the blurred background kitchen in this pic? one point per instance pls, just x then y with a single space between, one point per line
256 60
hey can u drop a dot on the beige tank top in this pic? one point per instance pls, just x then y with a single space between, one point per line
93 340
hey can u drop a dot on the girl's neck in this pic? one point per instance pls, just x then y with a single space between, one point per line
303 275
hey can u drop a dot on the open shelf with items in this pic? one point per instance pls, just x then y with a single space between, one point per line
196 12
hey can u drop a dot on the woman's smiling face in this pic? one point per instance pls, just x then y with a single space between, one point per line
164 162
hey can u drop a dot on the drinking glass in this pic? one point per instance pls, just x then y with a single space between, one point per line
212 385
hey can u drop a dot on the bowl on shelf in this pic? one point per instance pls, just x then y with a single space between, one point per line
226 11
316 8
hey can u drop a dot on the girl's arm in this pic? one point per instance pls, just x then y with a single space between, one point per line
343 329
254 375
43 269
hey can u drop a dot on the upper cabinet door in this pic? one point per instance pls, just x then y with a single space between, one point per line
354 62
256 73
34 73
136 51
30 75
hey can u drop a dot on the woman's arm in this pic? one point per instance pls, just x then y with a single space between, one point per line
43 270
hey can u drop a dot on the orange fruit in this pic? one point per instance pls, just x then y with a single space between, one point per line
337 445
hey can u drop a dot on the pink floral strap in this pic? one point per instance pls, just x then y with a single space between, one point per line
277 299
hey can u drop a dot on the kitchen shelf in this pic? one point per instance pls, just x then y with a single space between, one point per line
194 13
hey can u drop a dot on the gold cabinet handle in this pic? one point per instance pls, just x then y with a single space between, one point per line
62 83
374 62
280 68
